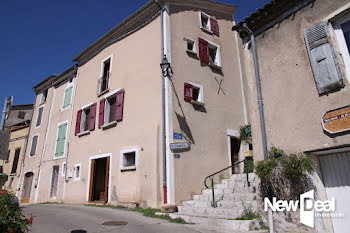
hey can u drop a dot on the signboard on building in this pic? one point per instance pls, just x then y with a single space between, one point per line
179 146
337 120
178 136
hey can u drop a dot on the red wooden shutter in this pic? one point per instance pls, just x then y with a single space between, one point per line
92 117
203 50
188 92
214 26
101 114
77 124
119 106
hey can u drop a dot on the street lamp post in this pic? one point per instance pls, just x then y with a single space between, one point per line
166 72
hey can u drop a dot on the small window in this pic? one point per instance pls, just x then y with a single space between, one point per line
39 116
15 161
214 56
21 114
205 21
193 93
34 144
103 83
77 172
64 169
85 121
43 97
128 159
190 46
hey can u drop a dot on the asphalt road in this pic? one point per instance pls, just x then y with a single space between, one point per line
61 218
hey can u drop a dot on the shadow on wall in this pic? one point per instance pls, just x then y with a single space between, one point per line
185 129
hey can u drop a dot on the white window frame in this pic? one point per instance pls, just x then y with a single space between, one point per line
31 145
194 50
42 101
122 159
65 142
340 39
71 96
208 28
83 116
200 100
63 171
110 58
217 63
75 171
105 117
37 115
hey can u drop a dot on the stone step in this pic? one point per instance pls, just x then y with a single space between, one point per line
239 197
225 224
227 213
197 203
236 204
207 197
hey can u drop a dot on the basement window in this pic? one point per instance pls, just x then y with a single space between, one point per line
128 159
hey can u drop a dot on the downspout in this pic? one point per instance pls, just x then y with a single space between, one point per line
261 106
163 109
258 88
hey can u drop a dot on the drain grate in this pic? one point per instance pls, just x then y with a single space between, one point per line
115 223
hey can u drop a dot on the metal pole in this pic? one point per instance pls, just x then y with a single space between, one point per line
258 88
4 111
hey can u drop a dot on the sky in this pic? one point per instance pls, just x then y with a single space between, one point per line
39 38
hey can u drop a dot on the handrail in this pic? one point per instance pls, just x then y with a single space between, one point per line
212 180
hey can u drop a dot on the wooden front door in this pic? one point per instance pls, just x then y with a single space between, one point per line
106 180
28 179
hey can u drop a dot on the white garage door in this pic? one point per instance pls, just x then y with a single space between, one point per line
336 177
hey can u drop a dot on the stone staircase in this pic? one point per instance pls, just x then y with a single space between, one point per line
230 195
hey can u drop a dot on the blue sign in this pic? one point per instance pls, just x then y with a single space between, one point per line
178 136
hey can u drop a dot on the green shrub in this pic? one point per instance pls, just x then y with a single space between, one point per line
276 152
11 217
249 214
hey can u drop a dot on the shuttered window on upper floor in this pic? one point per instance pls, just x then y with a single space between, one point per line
324 63
61 140
67 97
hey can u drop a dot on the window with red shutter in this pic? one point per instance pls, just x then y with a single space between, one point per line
92 117
77 124
203 50
119 106
214 26
188 92
101 114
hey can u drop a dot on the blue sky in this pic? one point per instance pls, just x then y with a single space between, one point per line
39 38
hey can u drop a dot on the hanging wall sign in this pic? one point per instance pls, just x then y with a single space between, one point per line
337 120
179 146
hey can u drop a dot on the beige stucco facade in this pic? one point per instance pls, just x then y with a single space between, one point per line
41 163
18 138
206 127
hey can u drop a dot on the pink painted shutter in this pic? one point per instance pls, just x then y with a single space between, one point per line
203 50
119 106
188 92
92 117
101 114
77 123
214 26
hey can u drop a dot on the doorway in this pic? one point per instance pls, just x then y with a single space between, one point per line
28 180
54 181
235 145
99 178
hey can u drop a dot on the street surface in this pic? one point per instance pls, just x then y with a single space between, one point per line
62 218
